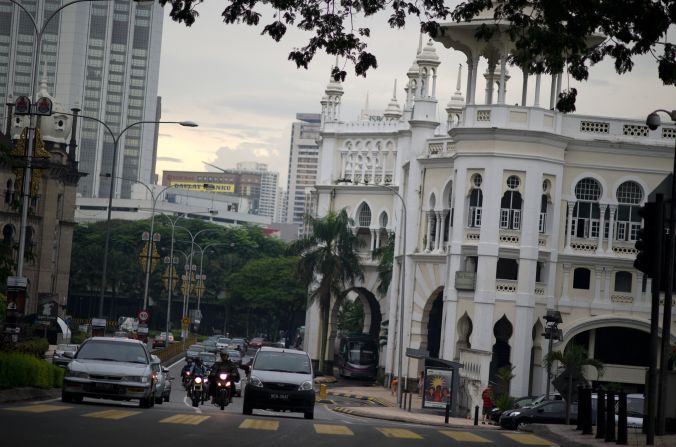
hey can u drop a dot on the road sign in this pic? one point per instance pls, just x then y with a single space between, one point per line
143 316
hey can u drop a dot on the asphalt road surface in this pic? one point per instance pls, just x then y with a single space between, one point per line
102 423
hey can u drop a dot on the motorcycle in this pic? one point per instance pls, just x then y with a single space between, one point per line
186 380
196 391
223 390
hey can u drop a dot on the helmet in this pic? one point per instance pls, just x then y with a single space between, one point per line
224 353
198 362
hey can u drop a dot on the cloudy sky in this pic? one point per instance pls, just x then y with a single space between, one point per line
240 88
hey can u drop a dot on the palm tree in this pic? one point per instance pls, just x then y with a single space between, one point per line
385 256
573 359
328 258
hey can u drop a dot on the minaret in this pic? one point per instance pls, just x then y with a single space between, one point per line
331 100
425 94
456 104
393 112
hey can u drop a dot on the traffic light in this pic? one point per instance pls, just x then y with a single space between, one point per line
649 239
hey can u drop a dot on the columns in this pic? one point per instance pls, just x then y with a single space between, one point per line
552 93
524 89
609 273
638 290
502 89
434 83
363 168
611 229
475 72
374 159
569 225
602 227
598 280
439 228
374 237
343 163
490 82
428 244
565 282
559 78
537 90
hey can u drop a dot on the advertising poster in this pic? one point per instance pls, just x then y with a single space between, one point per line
437 389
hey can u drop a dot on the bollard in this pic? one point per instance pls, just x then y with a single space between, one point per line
622 418
448 410
601 414
322 391
476 415
410 398
610 417
580 407
587 421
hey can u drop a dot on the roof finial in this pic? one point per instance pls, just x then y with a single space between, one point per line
457 85
394 92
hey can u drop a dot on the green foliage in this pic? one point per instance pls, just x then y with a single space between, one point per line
3 306
574 358
78 339
33 346
504 402
328 263
23 370
351 317
385 256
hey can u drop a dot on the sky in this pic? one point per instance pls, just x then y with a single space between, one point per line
243 92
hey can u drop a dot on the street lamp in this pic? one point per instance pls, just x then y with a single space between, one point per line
402 278
171 275
201 276
116 139
552 332
653 121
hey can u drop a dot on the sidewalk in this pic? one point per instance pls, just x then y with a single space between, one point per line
565 436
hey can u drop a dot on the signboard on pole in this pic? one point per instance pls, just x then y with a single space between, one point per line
143 316
437 388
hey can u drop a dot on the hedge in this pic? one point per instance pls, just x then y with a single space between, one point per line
24 370
33 346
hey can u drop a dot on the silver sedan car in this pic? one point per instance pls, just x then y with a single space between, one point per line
110 368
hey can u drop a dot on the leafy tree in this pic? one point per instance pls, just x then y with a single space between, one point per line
3 306
328 264
351 317
332 23
385 256
550 36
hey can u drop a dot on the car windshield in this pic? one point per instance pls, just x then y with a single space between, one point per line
635 406
234 355
238 341
282 362
224 341
112 351
207 357
360 353
71 348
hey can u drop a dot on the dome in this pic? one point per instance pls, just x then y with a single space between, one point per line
428 55
55 128
413 71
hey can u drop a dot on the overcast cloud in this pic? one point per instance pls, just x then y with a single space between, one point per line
240 88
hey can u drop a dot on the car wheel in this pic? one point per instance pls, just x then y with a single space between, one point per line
246 409
521 426
166 398
309 414
159 400
146 402
66 397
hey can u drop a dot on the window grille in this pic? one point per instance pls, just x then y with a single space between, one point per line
365 216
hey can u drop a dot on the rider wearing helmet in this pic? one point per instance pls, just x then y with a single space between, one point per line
224 365
187 367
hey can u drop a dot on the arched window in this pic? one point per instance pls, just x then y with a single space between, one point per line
476 199
9 192
510 210
627 220
586 214
623 282
544 201
7 234
365 216
581 278
383 220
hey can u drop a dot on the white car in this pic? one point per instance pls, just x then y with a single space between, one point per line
223 343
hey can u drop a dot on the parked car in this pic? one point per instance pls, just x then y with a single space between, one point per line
547 412
256 343
110 368
521 402
59 358
280 379
193 351
162 381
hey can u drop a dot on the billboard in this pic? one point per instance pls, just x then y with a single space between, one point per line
203 187
437 388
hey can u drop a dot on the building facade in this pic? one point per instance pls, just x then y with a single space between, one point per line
102 57
303 163
509 211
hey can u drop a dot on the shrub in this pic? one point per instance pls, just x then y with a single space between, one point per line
33 346
79 338
18 370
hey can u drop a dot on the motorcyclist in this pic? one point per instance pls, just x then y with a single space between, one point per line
224 365
197 368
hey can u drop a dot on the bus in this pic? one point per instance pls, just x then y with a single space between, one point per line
356 355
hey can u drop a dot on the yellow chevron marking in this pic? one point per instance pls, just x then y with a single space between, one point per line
399 433
325 429
111 414
186 419
463 436
257 424
39 408
527 439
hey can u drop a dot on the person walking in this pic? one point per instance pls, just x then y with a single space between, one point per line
487 398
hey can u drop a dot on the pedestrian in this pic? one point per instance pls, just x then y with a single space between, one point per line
393 385
421 383
487 398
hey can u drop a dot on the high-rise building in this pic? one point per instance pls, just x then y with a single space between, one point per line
303 162
267 199
281 206
103 57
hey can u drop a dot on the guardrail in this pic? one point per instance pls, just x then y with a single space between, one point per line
175 349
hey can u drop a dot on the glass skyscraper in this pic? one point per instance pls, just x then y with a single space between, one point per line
102 57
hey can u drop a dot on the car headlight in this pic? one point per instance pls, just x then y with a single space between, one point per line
255 381
514 413
141 379
306 386
77 374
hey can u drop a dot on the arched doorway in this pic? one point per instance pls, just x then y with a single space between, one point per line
464 330
501 350
434 325
536 360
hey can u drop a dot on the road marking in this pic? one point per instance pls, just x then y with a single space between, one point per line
111 414
463 436
325 429
258 424
398 433
187 419
39 408
527 439
188 403
176 363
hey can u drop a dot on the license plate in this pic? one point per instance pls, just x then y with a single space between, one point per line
104 386
279 396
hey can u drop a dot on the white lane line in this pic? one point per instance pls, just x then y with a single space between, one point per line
189 404
182 360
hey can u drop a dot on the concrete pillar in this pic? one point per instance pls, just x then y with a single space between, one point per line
602 227
569 225
611 232
439 234
536 102
428 242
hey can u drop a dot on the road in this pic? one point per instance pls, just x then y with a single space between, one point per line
102 423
